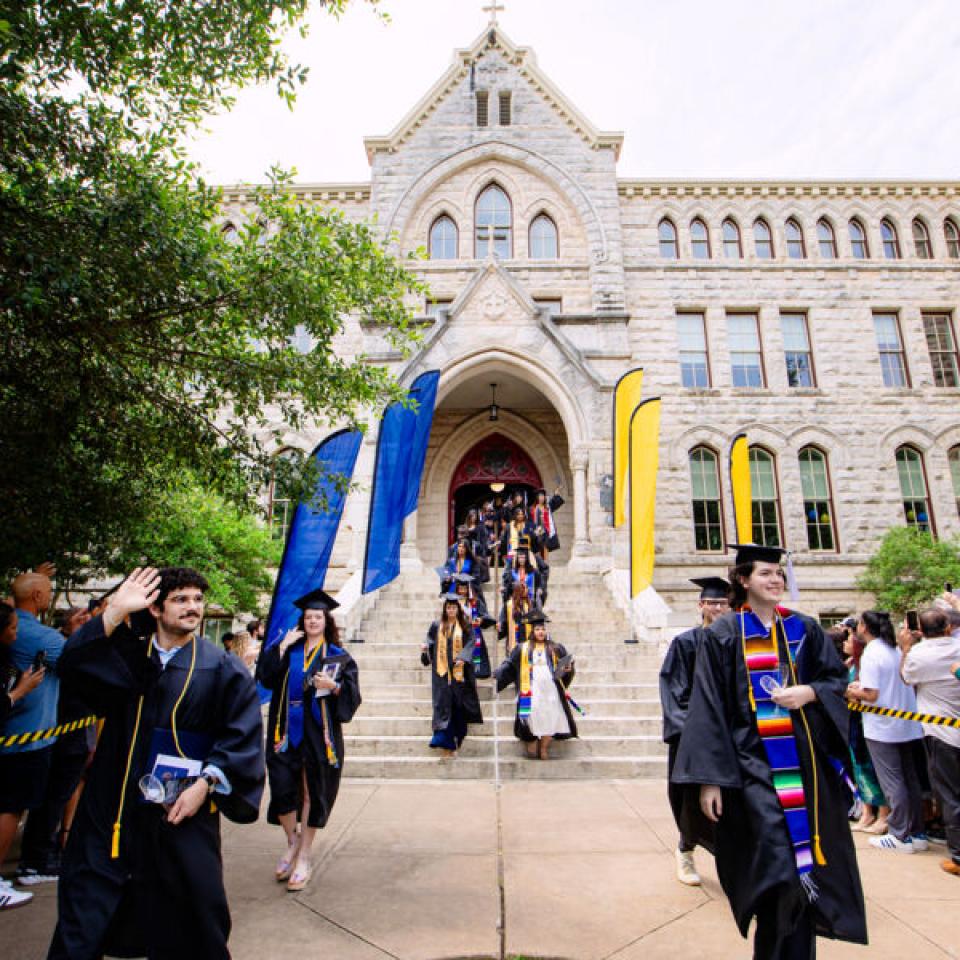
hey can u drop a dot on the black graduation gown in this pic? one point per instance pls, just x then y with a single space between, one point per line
551 541
163 896
509 672
721 746
676 683
447 691
482 670
507 583
285 769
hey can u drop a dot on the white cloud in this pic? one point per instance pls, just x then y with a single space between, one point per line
742 88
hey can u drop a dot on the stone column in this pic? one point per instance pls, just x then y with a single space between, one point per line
579 461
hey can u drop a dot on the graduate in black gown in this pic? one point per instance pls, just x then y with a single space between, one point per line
765 727
523 568
448 651
143 878
316 689
475 607
544 524
676 682
541 670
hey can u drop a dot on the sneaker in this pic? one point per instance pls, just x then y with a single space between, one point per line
890 842
951 867
937 835
686 869
28 877
920 841
10 898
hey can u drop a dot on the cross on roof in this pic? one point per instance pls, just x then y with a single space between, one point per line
492 8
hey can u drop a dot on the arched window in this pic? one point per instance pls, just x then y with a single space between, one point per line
443 239
953 457
921 240
913 488
891 242
282 506
796 249
952 236
667 234
230 233
705 485
732 247
494 216
858 240
766 498
699 240
817 499
762 239
543 239
826 239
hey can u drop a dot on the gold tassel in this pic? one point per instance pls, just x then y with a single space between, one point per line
818 851
115 843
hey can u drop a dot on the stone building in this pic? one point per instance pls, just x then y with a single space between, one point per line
817 316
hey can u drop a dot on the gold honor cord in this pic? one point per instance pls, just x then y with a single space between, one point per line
930 718
32 736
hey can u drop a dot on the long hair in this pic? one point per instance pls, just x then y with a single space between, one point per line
461 618
519 593
330 632
738 592
878 625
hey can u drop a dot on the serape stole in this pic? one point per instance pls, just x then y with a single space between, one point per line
525 698
762 655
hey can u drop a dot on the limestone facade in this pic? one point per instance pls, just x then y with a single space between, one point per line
557 333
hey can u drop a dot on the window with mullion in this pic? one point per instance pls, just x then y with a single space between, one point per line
762 239
858 240
796 348
891 242
699 240
494 216
766 500
952 237
942 344
707 514
826 239
667 235
817 501
282 506
746 360
694 356
913 489
796 248
953 456
893 364
443 239
732 247
921 240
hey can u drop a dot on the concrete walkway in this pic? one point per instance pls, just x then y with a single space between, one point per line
578 871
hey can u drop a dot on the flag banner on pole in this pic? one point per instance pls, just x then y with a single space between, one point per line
644 450
626 396
741 489
401 453
424 391
310 539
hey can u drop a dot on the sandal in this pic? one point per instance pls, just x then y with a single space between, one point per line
299 878
532 750
286 863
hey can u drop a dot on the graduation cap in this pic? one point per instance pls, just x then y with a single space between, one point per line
754 553
467 578
450 597
712 588
536 616
316 600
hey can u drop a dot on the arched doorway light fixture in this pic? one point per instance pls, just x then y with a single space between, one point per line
494 409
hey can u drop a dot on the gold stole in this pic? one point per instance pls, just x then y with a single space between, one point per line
512 626
443 667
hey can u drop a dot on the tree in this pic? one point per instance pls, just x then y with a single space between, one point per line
138 340
910 568
201 530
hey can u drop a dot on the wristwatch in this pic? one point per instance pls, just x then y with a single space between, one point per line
210 779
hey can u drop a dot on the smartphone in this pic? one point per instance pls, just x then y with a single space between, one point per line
948 587
40 659
913 621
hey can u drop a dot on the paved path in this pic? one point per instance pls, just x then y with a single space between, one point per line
578 871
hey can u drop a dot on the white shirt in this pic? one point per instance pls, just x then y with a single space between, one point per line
880 671
927 667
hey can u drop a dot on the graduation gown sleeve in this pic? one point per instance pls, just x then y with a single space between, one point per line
676 681
509 671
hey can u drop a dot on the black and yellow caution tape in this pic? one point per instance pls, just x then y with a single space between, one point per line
32 736
931 718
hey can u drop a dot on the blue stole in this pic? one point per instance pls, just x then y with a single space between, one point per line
295 692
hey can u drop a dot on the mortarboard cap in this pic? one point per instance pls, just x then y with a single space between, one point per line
536 616
712 588
754 553
448 595
316 600
467 578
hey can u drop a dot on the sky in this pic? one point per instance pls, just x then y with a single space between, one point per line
700 88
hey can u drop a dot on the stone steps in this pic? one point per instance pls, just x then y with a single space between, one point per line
586 745
513 767
412 725
385 707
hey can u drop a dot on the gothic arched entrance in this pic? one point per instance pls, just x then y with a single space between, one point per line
495 460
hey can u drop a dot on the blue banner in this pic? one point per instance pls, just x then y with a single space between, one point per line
312 533
401 453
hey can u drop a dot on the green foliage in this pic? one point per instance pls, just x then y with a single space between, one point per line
195 528
135 341
910 568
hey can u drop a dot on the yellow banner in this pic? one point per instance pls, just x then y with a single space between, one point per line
741 488
626 397
644 460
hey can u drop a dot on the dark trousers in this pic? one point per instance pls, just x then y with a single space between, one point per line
39 848
943 763
675 794
768 944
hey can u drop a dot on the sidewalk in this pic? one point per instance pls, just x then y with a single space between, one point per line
414 871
